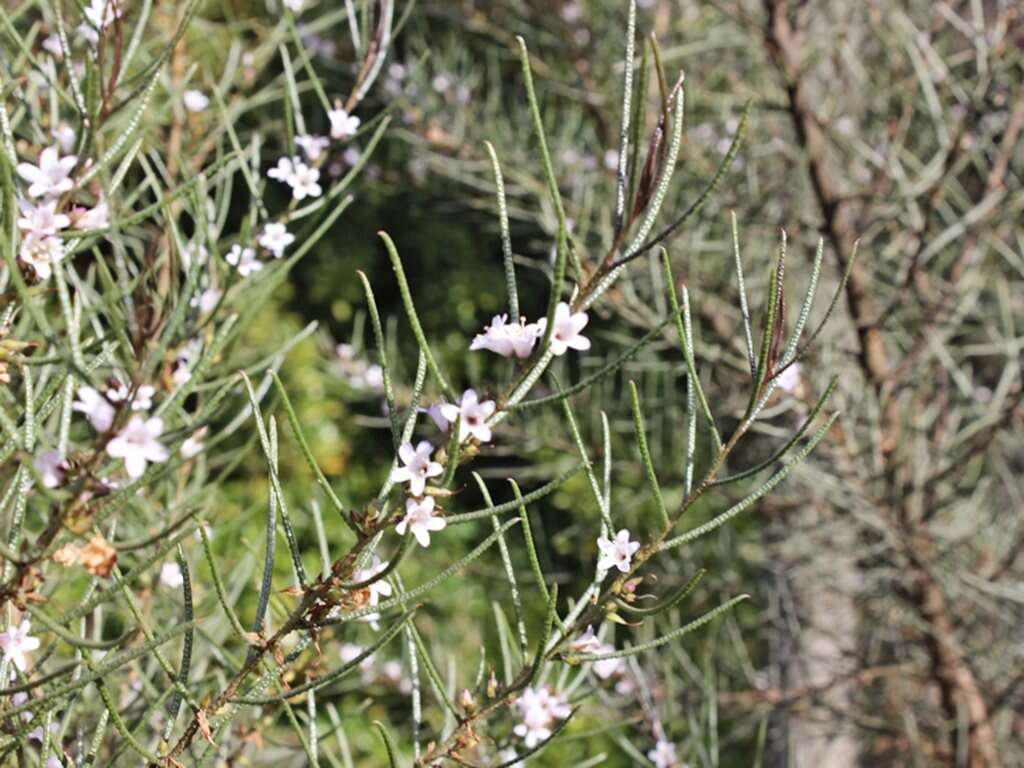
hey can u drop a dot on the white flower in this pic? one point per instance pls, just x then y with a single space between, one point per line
663 755
507 756
97 217
374 376
193 251
276 238
64 135
171 576
589 644
142 400
421 519
567 329
244 260
41 219
193 444
472 416
617 552
100 13
436 413
351 155
343 125
418 467
284 170
507 339
51 44
97 410
137 444
207 300
16 644
195 100
50 465
313 146
41 253
611 159
539 710
379 588
295 6
789 379
305 181
51 177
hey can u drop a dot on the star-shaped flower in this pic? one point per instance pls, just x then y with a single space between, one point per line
313 146
343 125
16 644
243 259
418 467
52 176
97 410
567 329
276 238
138 445
617 552
420 518
472 416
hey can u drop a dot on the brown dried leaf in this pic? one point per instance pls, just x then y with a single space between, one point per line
98 557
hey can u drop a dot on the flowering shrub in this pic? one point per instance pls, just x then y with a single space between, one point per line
148 216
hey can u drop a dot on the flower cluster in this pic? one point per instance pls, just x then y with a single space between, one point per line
589 643
138 441
539 710
518 339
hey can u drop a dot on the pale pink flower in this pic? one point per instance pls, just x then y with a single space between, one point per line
171 575
343 125
51 467
52 176
64 135
276 238
16 644
663 755
195 100
789 379
617 552
313 146
420 518
41 252
97 217
138 444
472 416
305 181
418 467
567 330
540 710
97 410
41 219
284 170
243 259
508 339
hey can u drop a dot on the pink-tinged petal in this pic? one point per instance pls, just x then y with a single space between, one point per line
424 449
436 524
558 347
579 321
488 407
400 527
449 411
134 464
434 469
483 433
422 536
406 453
400 475
156 452
469 397
67 163
427 503
417 485
29 172
579 342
